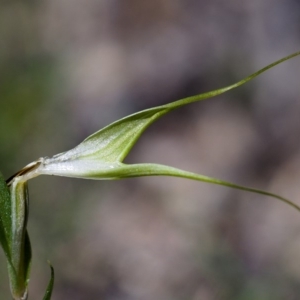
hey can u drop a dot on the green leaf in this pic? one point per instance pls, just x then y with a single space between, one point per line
19 281
50 285
5 218
20 244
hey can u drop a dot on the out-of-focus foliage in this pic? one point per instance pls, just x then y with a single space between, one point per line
68 68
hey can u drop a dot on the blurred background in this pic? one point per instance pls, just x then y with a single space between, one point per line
68 68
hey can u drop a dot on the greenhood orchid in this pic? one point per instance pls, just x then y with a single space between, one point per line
100 156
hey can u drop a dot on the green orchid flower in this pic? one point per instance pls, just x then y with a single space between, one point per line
99 156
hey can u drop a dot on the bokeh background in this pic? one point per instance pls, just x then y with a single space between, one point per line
68 68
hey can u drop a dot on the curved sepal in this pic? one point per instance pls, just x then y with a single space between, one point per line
113 142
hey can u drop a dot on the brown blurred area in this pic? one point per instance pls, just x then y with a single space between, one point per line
68 68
